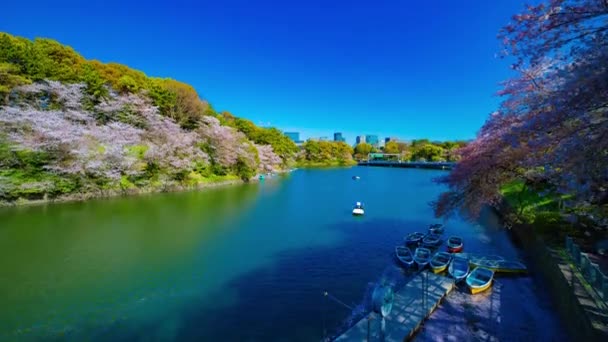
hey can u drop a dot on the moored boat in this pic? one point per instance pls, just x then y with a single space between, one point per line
356 177
480 279
459 268
439 262
455 244
422 256
414 238
358 209
431 241
404 255
436 228
475 258
502 266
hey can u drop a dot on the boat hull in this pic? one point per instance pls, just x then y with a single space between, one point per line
455 249
478 289
358 212
421 264
438 269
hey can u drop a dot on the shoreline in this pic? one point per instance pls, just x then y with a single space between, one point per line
83 197
115 193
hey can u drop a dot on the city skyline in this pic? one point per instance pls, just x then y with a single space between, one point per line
376 141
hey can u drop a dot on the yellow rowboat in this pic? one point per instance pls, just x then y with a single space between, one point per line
440 262
480 279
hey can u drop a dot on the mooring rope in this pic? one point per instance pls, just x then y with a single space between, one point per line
326 294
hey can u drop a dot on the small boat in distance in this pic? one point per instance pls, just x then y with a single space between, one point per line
480 279
455 244
459 268
431 240
356 177
439 262
358 209
422 256
413 238
404 255
436 228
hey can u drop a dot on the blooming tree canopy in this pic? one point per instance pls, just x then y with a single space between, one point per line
553 123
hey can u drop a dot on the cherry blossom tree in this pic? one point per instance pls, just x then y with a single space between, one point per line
553 123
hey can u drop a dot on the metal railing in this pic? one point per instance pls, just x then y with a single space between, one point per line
590 271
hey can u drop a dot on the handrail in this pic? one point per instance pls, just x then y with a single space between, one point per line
590 271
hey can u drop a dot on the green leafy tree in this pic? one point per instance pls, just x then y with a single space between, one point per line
9 78
127 84
362 150
95 84
428 152
391 147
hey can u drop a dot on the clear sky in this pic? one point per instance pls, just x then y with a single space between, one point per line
410 69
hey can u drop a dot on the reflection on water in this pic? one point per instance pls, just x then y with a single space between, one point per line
197 265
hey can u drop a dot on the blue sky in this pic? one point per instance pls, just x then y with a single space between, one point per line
410 69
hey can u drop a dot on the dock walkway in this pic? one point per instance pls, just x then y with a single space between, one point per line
409 310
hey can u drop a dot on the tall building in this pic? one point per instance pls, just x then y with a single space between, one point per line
360 139
294 136
338 136
387 139
372 139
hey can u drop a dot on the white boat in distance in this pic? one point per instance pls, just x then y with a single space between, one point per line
358 209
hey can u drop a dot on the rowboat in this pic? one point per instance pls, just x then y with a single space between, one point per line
455 244
404 255
422 256
414 238
475 258
459 268
431 240
436 228
480 279
503 266
440 261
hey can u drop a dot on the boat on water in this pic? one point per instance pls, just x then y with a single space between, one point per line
475 258
404 255
455 244
358 209
431 241
480 279
440 261
356 177
459 268
436 228
502 266
262 177
422 256
414 238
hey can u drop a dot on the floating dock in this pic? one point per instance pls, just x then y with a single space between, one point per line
412 305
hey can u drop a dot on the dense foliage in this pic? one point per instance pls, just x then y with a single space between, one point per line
551 131
325 153
417 150
69 126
